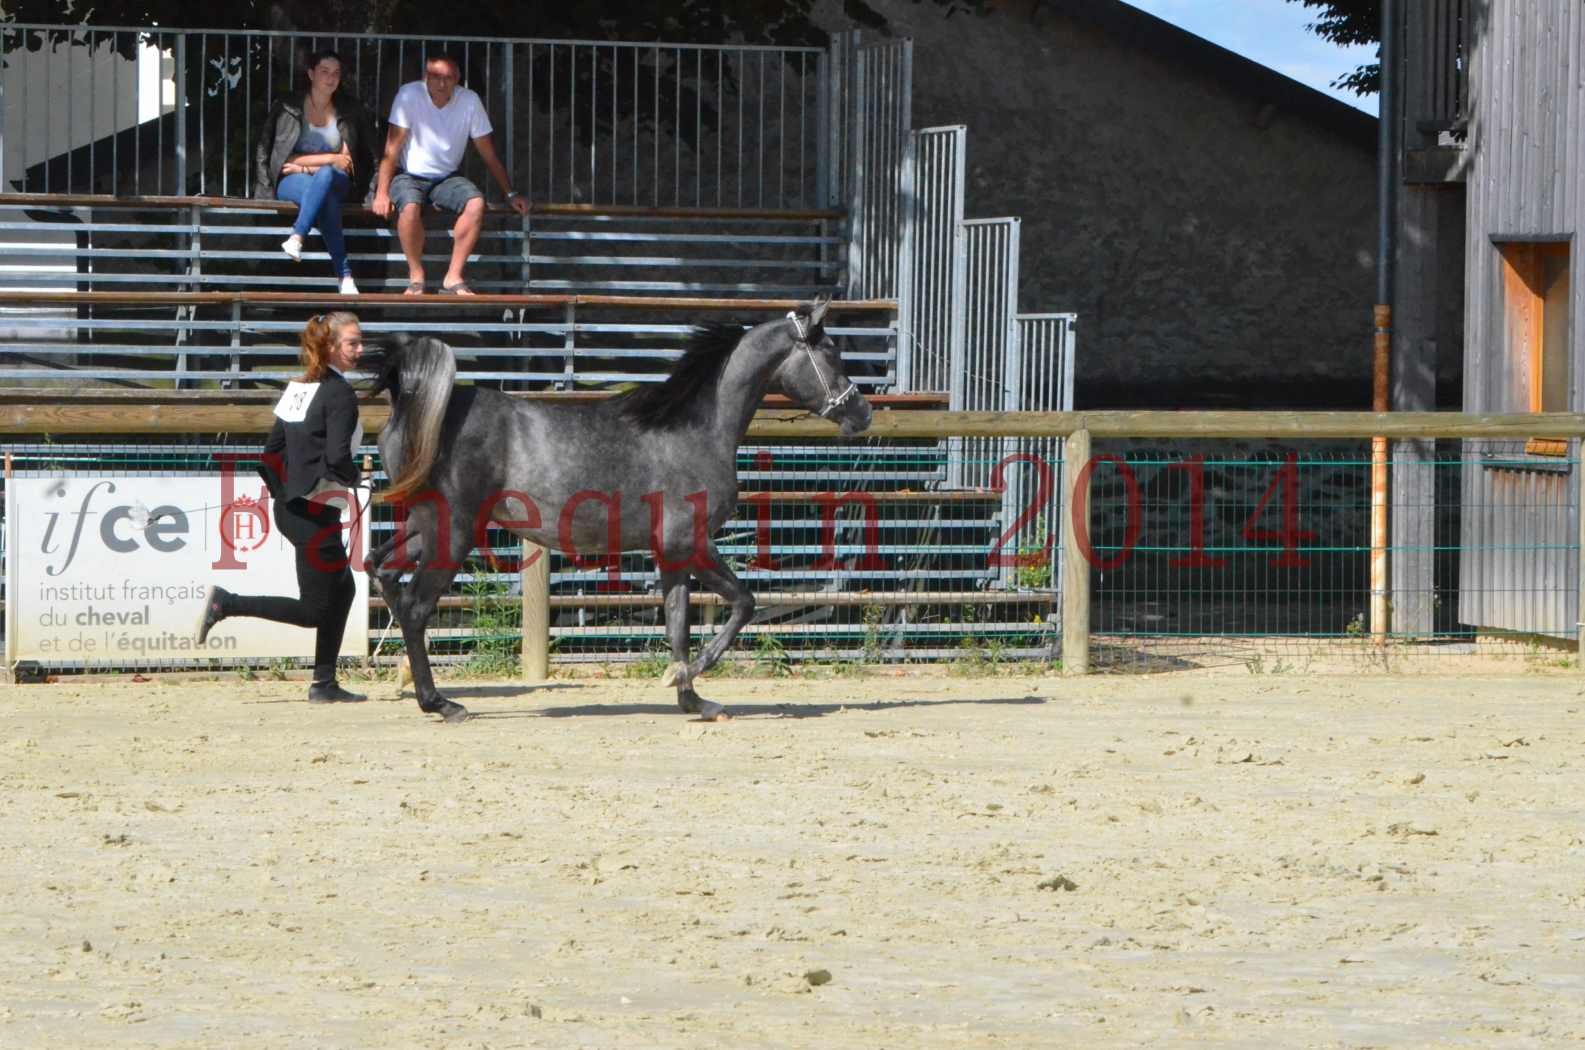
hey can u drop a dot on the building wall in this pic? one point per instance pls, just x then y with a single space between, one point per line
1527 98
1217 244
67 95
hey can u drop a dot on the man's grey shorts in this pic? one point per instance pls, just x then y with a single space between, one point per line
450 193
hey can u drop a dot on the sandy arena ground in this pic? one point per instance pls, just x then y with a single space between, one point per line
1265 861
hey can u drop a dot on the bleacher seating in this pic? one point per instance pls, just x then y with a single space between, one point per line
194 291
188 294
230 244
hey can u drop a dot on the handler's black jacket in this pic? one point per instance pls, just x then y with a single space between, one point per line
319 447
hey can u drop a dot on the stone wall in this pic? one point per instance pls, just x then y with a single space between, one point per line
1213 228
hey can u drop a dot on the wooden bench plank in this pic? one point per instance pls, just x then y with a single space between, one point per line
548 208
646 302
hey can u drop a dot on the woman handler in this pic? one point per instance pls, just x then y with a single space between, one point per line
310 453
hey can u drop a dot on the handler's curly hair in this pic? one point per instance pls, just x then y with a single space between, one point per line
319 339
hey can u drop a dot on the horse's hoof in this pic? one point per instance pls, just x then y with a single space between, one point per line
694 704
676 673
446 709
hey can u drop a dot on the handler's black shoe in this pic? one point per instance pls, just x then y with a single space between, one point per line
331 693
214 612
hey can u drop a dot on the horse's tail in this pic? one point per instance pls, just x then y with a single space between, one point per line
420 390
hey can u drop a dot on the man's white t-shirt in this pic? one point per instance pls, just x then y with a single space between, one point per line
437 138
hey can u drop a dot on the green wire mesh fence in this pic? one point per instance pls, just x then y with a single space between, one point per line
1205 553
1258 552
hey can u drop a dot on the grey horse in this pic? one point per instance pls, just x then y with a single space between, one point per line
653 469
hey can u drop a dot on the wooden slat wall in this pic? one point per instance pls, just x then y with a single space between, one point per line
1527 102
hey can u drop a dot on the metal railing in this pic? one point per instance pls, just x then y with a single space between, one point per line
62 243
176 111
249 339
1439 55
880 115
930 298
991 373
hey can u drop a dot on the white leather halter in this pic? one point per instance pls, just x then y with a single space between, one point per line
833 401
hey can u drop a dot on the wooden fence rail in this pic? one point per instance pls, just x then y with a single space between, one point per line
56 411
24 412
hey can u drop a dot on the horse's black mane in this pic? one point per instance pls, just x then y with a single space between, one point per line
657 406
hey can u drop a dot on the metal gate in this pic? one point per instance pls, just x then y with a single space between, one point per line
991 379
1034 482
930 286
878 114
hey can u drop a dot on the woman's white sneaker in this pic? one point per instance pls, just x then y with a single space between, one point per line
293 247
347 287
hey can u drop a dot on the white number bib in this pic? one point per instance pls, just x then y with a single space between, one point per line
293 405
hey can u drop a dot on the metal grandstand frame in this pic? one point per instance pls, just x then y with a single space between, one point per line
623 249
653 124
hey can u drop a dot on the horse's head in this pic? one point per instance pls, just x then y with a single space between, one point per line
419 374
811 375
383 362
401 363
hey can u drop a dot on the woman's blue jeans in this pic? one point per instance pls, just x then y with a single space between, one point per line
318 198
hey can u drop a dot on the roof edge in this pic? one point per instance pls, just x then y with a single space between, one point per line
1264 84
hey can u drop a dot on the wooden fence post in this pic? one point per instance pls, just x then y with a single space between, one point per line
536 612
1075 565
8 664
1579 513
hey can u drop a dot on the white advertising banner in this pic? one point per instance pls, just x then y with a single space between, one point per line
113 570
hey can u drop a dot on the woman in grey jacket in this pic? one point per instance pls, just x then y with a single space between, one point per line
313 150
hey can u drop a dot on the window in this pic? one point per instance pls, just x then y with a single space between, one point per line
1536 322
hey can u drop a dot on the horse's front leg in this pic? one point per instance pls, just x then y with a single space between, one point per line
419 603
437 561
674 586
714 574
386 573
378 556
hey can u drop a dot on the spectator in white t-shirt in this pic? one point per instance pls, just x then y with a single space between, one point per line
432 122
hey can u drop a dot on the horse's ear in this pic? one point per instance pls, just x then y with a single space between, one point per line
386 347
817 309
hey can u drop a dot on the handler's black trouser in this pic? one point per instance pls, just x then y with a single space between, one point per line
324 582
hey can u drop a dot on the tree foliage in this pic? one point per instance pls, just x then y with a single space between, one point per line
1348 23
786 22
